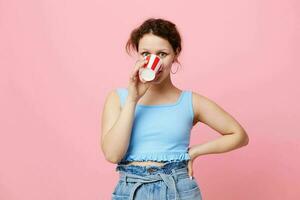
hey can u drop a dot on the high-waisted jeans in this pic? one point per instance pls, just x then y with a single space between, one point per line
168 182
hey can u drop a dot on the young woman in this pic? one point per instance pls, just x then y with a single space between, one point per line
146 126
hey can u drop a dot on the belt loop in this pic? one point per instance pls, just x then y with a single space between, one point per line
174 174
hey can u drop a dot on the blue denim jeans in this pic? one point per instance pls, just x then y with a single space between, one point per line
168 182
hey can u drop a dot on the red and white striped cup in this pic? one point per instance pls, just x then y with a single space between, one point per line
149 70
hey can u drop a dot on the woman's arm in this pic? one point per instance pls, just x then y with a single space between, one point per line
233 134
116 127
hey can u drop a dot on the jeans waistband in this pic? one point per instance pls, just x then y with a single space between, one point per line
152 169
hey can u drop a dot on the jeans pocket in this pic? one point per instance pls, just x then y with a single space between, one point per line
187 189
121 191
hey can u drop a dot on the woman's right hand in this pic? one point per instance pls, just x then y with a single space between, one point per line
137 87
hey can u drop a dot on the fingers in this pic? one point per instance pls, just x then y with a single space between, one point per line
190 169
139 64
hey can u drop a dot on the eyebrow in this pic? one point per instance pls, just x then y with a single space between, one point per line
158 50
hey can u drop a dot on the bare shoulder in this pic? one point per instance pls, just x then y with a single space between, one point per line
198 101
201 105
112 99
209 112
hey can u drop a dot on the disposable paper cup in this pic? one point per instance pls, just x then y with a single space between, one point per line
149 70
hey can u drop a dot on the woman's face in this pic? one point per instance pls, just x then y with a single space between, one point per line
152 44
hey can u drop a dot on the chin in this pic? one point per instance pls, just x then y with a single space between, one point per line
158 81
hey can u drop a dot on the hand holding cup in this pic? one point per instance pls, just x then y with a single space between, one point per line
137 87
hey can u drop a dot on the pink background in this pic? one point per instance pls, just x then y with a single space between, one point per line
59 59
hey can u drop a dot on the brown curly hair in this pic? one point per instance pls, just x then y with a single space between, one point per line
159 27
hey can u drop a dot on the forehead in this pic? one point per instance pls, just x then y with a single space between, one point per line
153 42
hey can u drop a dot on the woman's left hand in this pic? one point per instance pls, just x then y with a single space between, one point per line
190 168
190 164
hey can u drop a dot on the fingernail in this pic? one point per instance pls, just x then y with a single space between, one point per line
191 177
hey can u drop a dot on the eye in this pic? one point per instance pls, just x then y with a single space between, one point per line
144 53
163 54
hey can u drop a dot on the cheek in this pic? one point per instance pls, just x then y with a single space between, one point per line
141 57
166 70
166 63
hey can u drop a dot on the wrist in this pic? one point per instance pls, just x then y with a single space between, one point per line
192 153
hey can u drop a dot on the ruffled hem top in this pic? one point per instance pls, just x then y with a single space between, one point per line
160 133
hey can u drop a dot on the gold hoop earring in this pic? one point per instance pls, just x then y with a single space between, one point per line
176 70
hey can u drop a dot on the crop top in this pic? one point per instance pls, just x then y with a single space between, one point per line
160 132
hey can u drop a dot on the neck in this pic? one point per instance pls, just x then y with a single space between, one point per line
162 87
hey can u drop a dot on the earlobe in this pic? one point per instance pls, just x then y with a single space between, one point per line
175 59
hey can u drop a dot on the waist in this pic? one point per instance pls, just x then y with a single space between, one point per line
151 169
145 163
153 176
157 158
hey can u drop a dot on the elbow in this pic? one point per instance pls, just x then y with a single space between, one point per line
245 139
112 158
242 138
245 142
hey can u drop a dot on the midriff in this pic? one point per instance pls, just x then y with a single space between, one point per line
146 163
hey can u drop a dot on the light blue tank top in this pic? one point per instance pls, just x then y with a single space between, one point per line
160 132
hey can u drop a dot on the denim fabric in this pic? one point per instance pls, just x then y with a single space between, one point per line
168 182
